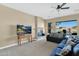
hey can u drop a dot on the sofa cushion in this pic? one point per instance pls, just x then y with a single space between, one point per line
76 49
55 52
56 35
60 35
51 35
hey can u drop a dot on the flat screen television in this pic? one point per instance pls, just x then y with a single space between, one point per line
27 29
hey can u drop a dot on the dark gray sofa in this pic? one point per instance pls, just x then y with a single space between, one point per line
55 37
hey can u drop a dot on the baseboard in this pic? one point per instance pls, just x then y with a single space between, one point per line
11 45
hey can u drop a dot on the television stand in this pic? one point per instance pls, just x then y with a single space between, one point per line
23 36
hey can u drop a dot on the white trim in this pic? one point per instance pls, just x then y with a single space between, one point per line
11 45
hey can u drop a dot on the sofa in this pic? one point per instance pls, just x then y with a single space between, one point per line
55 37
57 50
73 51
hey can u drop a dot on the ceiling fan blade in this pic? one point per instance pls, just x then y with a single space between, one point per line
62 5
65 8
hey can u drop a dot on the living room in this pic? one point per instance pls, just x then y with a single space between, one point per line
26 26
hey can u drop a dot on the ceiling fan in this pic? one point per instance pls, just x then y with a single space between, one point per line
62 6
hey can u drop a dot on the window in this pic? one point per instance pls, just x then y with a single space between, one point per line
69 23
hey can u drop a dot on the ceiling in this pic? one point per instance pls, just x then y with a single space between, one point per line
45 10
